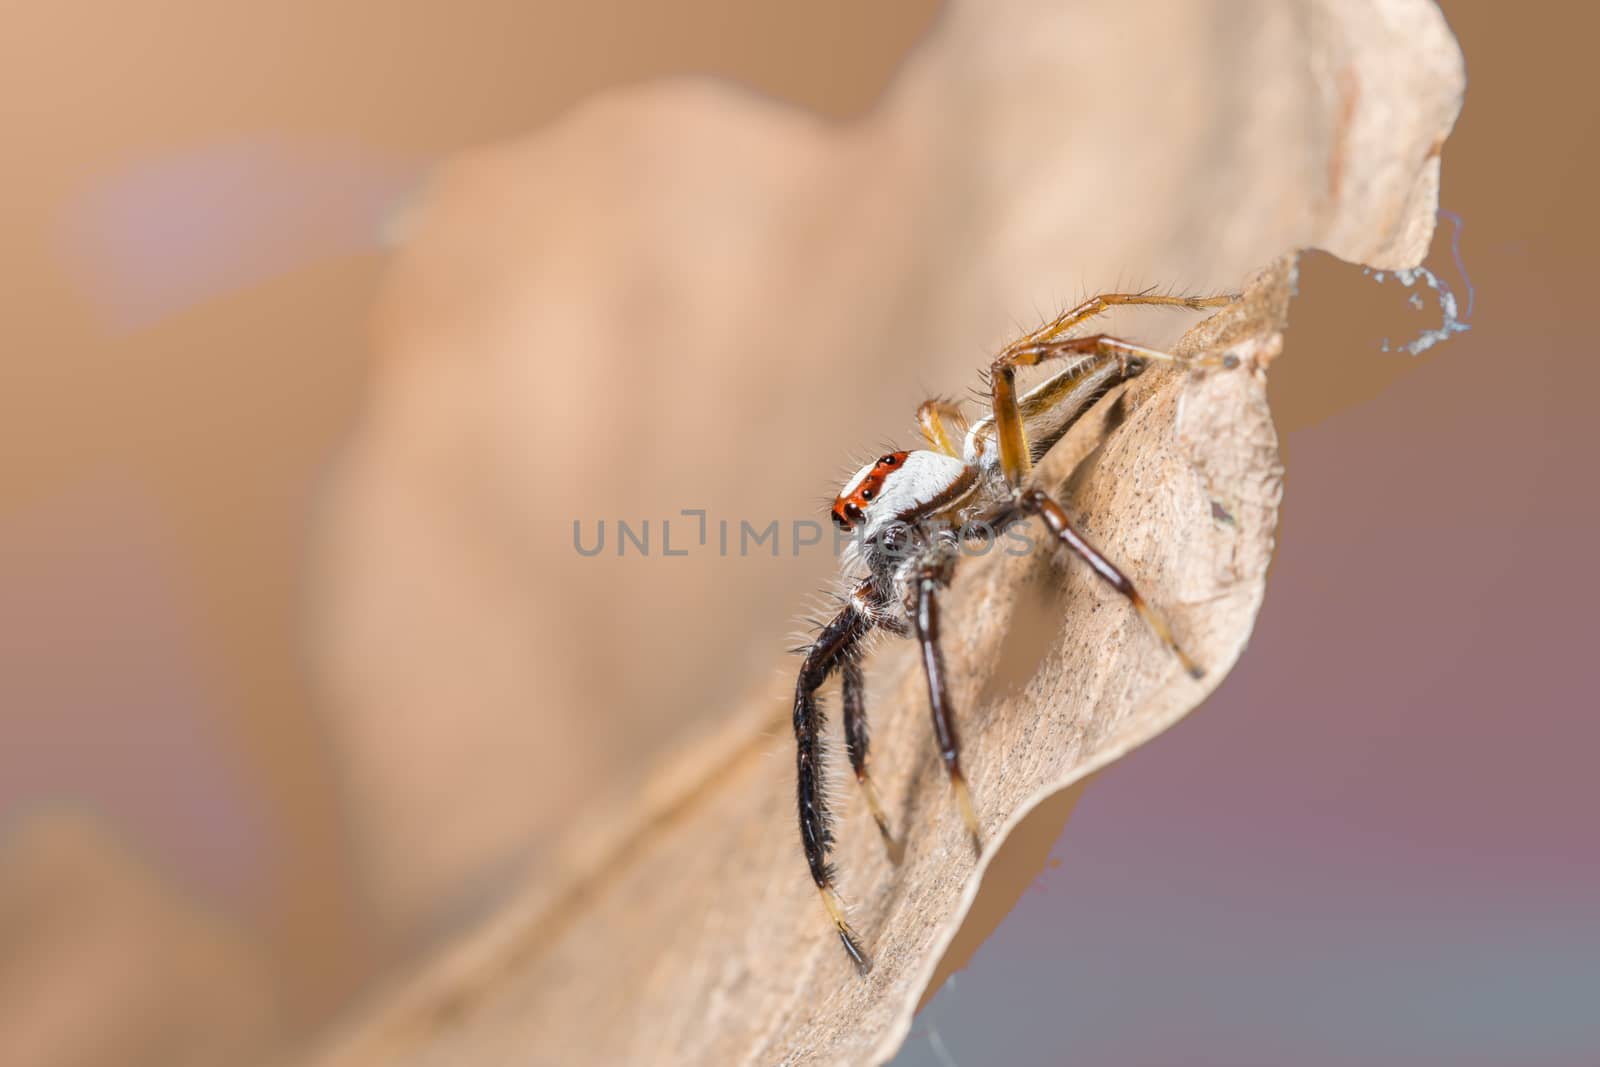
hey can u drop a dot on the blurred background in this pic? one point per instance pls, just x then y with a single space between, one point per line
1374 844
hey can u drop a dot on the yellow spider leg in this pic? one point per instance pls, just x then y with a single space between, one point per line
931 418
1044 343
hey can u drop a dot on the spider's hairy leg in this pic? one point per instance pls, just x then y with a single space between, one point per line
856 740
1077 384
1108 361
835 646
1045 343
1098 305
931 419
1041 504
930 578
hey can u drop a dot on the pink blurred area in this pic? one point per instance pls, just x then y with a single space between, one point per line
1395 782
161 235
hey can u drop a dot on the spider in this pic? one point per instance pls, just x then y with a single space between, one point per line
913 508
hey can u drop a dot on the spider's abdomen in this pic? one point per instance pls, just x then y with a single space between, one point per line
902 487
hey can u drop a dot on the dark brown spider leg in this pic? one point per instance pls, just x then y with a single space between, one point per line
1042 505
926 619
931 419
833 648
856 739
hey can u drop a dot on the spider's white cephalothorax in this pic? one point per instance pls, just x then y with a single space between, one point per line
903 487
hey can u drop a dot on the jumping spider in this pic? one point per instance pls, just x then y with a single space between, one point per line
914 507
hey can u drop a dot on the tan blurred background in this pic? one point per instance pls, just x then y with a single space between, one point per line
190 871
178 879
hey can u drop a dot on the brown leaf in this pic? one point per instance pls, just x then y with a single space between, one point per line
741 281
704 928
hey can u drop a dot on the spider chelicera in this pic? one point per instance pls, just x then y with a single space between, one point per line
913 509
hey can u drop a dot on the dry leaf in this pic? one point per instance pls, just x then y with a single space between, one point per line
724 266
706 931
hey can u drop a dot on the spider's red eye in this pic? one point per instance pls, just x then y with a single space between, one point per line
852 512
